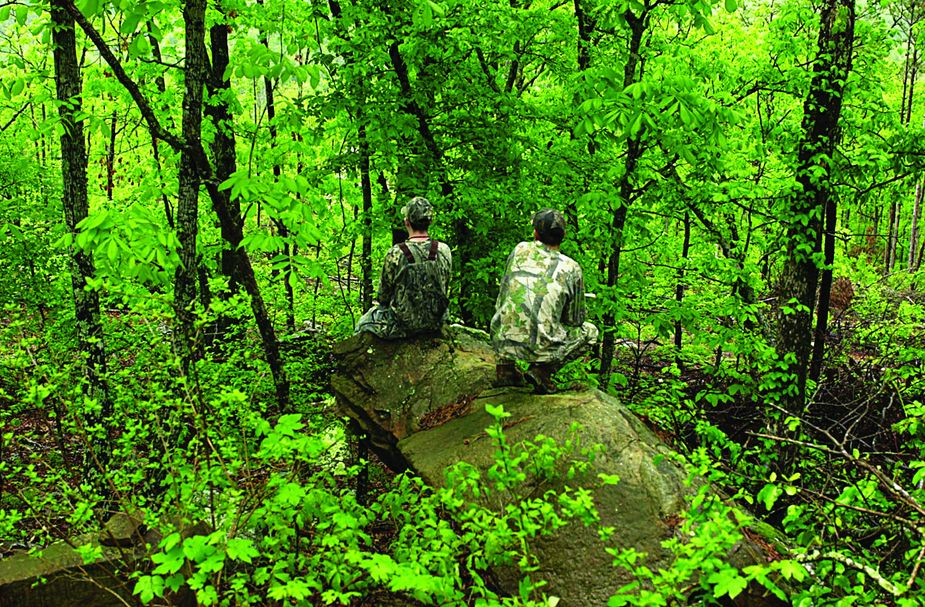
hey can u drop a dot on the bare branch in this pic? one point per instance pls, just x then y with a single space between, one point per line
884 583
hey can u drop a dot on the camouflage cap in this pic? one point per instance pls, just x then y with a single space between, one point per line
418 210
550 225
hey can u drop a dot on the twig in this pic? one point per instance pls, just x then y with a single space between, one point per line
884 583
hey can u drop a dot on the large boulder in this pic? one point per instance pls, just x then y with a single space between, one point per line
392 389
643 507
640 506
422 402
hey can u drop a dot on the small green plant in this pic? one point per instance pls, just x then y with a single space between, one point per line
298 535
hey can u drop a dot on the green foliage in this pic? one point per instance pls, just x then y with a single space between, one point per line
307 538
503 108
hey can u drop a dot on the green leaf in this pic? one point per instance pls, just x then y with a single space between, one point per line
149 586
727 582
241 549
769 494
424 16
496 412
792 570
731 6
140 47
168 562
89 7
130 24
22 12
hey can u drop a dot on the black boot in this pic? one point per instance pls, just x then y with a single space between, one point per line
540 376
507 374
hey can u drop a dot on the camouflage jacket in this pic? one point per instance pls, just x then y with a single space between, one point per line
410 294
540 308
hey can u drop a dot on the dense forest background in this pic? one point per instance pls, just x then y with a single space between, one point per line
195 199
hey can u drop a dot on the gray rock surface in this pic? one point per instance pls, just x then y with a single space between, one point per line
68 581
640 506
422 403
391 387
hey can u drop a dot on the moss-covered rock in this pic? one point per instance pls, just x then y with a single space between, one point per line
422 403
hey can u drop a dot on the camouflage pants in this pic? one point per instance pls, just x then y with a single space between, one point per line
380 321
578 341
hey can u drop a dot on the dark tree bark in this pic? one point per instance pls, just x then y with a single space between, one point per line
825 292
679 287
366 258
889 257
229 211
585 27
223 147
76 208
821 112
111 156
190 179
162 87
912 262
634 150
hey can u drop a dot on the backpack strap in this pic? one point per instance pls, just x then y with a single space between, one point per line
404 249
433 250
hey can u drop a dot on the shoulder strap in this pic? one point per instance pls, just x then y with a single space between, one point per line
404 249
433 249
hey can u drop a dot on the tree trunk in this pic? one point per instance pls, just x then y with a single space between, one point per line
914 227
634 151
237 262
679 287
76 208
825 292
111 156
821 112
189 181
366 267
223 145
162 87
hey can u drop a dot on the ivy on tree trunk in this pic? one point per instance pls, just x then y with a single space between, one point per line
812 193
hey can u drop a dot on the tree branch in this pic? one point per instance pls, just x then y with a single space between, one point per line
147 113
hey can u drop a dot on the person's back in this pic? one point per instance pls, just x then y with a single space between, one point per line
422 275
414 287
540 314
539 301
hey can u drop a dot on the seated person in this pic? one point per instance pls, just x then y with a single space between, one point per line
413 289
540 312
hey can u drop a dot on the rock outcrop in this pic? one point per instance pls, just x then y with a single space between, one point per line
69 580
393 389
422 402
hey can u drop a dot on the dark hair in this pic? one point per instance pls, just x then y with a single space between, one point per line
550 226
553 237
420 225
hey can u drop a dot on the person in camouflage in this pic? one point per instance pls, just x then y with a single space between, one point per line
414 283
540 312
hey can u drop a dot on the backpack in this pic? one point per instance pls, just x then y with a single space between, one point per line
419 303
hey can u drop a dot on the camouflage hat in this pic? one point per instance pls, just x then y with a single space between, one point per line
550 225
418 210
